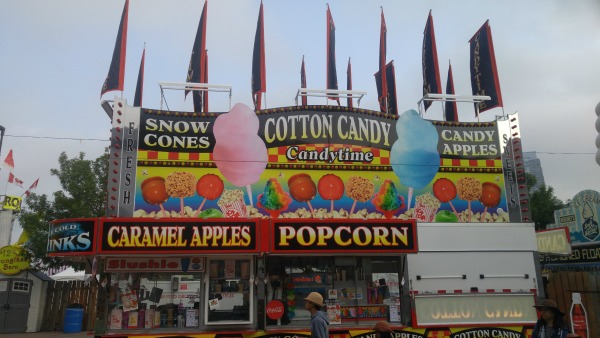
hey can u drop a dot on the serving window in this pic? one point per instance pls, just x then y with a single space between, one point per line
154 300
229 293
355 289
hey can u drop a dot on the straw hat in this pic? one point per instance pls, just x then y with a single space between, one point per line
382 327
548 303
315 298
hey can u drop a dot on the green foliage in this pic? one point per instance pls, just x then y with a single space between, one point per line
83 195
542 203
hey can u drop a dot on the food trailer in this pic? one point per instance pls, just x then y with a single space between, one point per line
220 224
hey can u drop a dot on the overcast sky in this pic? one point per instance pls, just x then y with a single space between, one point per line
54 57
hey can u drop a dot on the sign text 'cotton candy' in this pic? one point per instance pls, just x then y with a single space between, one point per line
414 156
239 153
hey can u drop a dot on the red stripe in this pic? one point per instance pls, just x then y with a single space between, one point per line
173 156
490 163
152 155
473 163
456 162
194 156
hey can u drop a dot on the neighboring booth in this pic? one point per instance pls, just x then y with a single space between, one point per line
25 294
69 274
574 276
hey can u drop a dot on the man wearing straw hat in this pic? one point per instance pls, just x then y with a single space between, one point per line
318 318
550 324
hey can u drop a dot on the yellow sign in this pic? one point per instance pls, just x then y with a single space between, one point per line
12 260
12 203
555 241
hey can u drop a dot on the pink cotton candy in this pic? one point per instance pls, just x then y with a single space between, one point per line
239 153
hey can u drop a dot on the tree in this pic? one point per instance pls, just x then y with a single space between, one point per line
83 196
542 203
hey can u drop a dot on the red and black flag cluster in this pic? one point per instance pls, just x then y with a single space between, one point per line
303 81
116 73
382 82
451 110
390 83
331 69
259 79
349 82
431 70
484 73
139 88
197 65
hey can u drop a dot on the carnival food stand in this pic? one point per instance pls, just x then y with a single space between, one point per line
221 223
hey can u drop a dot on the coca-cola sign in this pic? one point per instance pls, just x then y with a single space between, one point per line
275 309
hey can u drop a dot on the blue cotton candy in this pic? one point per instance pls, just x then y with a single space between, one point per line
414 156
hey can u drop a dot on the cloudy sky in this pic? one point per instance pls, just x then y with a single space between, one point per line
55 56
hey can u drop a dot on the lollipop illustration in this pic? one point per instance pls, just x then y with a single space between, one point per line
445 191
469 189
154 192
303 189
490 197
239 153
359 189
331 187
180 185
414 156
387 201
274 200
209 186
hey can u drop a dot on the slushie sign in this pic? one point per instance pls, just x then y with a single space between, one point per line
319 162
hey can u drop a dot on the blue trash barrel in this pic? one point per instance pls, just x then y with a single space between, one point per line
73 320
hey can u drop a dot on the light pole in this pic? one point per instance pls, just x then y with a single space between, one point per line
2 136
597 136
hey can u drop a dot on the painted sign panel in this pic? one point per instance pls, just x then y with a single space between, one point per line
554 241
581 256
154 264
12 203
343 236
12 260
468 309
314 162
72 237
582 217
178 236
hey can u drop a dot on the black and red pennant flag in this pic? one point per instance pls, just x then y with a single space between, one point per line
139 88
259 78
116 73
349 82
382 83
484 73
331 69
205 79
303 81
431 70
195 72
390 76
451 110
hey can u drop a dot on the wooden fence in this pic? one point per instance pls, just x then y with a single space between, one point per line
62 294
562 285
